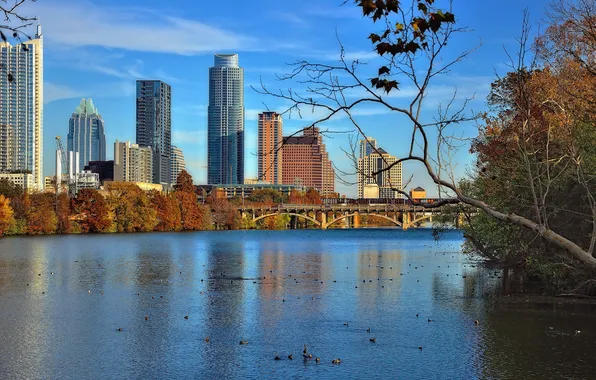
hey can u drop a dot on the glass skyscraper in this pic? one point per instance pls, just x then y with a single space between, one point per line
86 134
225 150
154 125
21 107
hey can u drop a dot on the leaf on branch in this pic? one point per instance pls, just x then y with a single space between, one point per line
383 48
422 7
399 27
411 47
384 70
385 84
374 38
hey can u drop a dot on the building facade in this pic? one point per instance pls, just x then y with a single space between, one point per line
25 180
105 169
154 125
86 134
132 163
269 153
367 146
177 163
225 143
306 163
21 107
418 193
387 181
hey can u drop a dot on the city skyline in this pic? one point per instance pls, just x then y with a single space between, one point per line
82 64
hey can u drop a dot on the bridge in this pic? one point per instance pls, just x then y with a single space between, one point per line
324 216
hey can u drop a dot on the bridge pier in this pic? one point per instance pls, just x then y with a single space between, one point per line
356 222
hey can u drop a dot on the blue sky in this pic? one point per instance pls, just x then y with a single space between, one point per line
98 48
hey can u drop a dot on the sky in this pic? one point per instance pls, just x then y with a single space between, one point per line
99 48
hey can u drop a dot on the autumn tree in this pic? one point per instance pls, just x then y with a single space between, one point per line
168 211
267 197
312 197
193 216
63 213
6 214
91 211
131 209
41 218
223 213
184 182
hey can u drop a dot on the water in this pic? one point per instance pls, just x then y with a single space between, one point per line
308 285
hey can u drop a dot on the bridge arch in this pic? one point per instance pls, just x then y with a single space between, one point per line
425 217
396 222
287 213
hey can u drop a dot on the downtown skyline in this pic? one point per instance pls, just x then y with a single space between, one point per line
106 68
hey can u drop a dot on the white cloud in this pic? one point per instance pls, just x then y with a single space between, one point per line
81 24
54 91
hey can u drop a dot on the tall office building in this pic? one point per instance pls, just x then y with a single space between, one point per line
21 107
86 134
306 163
177 162
385 181
269 151
225 145
132 163
367 146
154 125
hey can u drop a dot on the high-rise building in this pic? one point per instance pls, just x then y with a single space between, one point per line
177 162
387 181
86 134
269 152
225 144
132 163
154 125
367 146
21 107
105 169
306 163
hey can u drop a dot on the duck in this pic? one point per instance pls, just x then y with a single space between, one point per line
368 330
317 359
416 315
346 324
476 322
120 329
430 320
207 339
291 357
186 317
336 361
244 342
276 358
146 317
420 348
374 340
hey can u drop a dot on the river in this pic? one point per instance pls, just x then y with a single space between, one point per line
63 300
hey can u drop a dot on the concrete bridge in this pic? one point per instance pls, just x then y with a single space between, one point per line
323 216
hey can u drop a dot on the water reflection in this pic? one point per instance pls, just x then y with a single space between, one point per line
277 290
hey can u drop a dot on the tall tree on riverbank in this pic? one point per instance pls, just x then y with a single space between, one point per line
6 214
168 211
91 211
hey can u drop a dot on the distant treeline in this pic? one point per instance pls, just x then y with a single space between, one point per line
124 207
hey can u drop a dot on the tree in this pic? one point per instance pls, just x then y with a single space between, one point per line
312 197
63 213
413 38
267 196
168 211
184 182
41 218
91 211
224 215
6 215
131 209
14 25
10 190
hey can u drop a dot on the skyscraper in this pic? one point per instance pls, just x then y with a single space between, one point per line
177 163
225 145
269 149
86 134
132 163
306 163
386 181
367 146
154 125
21 107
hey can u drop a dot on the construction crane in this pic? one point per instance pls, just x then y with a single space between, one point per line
61 164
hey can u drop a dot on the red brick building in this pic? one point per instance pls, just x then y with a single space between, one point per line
269 148
306 163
